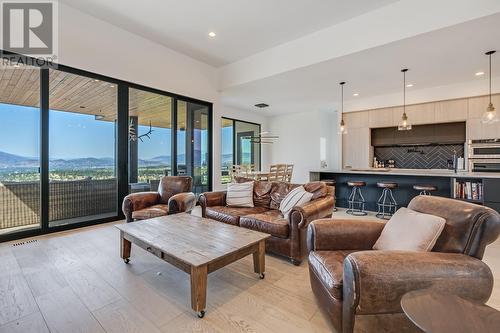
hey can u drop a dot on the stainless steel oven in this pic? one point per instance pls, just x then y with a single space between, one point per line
484 149
484 165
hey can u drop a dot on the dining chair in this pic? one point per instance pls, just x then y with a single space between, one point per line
235 171
277 172
289 173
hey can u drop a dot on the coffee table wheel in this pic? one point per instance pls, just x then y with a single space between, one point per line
127 260
201 314
262 276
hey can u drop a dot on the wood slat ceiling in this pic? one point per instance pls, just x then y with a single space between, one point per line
73 93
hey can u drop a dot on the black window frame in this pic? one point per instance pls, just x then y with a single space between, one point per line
234 120
121 142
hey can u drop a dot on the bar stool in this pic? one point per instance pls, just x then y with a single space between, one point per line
425 189
356 199
332 183
386 204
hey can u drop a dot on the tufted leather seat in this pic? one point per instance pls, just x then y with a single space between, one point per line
271 222
231 215
150 212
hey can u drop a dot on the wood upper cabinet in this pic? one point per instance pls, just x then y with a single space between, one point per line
356 119
381 117
356 148
453 110
417 114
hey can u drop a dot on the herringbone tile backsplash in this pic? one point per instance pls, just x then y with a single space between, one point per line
419 157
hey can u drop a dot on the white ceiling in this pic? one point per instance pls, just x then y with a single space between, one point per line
442 57
243 27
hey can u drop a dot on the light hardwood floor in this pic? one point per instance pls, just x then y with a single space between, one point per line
76 282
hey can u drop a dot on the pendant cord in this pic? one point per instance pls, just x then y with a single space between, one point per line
490 78
342 89
404 92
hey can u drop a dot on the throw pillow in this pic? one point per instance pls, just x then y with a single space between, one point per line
408 230
240 194
295 197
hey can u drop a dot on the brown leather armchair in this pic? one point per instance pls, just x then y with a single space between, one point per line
174 196
361 289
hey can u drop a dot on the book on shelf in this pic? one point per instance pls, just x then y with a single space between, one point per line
468 190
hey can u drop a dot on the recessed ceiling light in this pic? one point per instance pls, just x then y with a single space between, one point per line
479 73
96 80
112 86
262 105
355 94
212 34
409 85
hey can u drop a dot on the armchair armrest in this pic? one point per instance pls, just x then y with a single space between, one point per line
181 202
343 234
209 199
375 281
136 201
312 210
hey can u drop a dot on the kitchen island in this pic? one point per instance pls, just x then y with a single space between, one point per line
445 180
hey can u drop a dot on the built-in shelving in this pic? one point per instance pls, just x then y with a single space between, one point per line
471 190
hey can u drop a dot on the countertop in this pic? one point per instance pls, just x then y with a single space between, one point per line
415 172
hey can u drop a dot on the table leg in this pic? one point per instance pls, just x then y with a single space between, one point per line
259 259
199 289
125 248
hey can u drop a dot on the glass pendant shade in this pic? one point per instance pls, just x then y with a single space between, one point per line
404 124
490 116
342 127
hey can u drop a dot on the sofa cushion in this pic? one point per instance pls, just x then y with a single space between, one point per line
408 230
150 212
296 197
279 192
270 222
329 268
318 189
231 215
261 191
240 194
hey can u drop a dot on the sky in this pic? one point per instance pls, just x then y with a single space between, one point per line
73 135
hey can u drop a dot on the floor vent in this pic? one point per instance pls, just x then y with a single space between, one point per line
27 242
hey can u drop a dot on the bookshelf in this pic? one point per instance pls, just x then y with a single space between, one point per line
468 189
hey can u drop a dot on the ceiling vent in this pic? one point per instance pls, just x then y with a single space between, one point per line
262 105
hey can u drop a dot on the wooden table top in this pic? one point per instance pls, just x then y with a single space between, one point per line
434 312
192 239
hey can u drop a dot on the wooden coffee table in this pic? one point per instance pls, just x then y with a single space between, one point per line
196 245
434 312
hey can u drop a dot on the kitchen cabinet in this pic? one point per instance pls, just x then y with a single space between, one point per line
448 133
356 151
453 110
381 117
417 114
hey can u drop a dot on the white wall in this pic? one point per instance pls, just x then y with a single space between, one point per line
299 141
88 43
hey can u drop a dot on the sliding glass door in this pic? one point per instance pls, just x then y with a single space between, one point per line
19 148
82 144
150 139
193 144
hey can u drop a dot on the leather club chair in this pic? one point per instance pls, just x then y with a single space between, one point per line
173 196
361 289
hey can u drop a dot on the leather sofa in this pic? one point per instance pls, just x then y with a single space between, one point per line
361 289
173 196
287 235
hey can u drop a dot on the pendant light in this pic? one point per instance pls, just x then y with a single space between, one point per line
404 124
490 116
343 128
